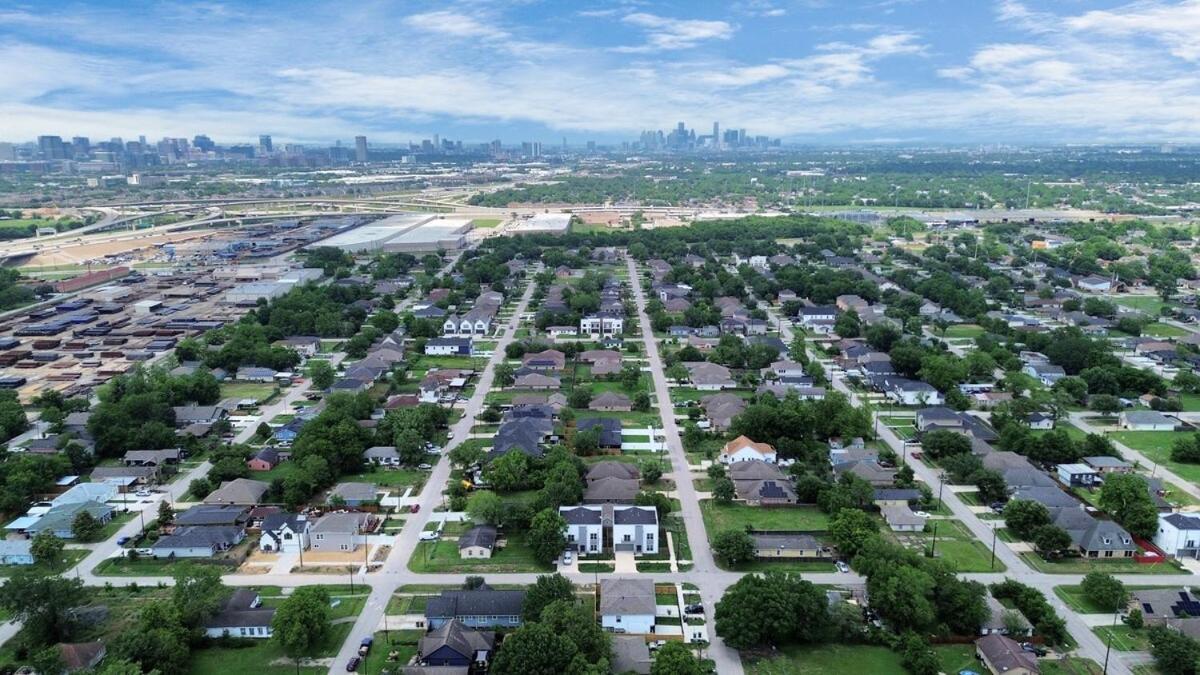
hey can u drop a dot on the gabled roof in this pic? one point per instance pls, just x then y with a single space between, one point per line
480 535
613 469
464 641
744 443
238 491
478 602
627 597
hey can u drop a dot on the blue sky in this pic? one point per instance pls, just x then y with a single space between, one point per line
836 71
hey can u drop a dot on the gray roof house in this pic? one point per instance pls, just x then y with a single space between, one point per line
355 494
479 608
197 541
339 531
241 491
241 616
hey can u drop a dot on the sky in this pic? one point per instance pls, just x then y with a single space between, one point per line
809 71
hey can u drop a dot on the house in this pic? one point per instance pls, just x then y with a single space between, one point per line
546 360
477 542
611 401
382 455
603 324
87 492
16 552
1162 605
253 374
1145 420
585 528
613 469
525 434
77 656
1094 284
340 531
284 532
59 518
241 616
1178 535
264 460
537 382
1104 464
354 494
608 430
937 416
557 332
240 491
198 541
1000 616
1049 497
153 458
635 528
213 515
478 608
818 319
198 414
869 470
895 496
720 409
1045 373
630 654
611 490
1040 421
1095 538
304 345
627 605
1077 475
742 449
903 391
1003 656
454 645
902 519
126 477
707 376
448 346
789 546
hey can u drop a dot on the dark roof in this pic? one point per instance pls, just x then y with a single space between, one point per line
239 612
581 516
787 542
612 469
212 514
635 515
480 535
480 602
892 494
462 640
610 429
1004 654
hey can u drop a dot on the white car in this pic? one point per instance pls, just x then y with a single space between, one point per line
429 535
921 514
142 493
425 467
568 558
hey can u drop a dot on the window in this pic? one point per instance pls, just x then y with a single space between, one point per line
627 538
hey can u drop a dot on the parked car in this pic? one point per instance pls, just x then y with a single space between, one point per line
364 647
842 567
142 493
352 664
694 609
121 541
414 508
1033 649
429 535
568 557
425 467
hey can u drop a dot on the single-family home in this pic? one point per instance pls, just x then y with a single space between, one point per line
284 532
742 449
1105 464
707 376
454 645
16 552
198 541
243 616
59 519
1178 535
1145 420
240 491
611 401
264 460
1000 618
630 654
902 519
720 409
627 605
611 490
585 528
1040 421
340 531
1045 373
353 493
789 546
382 455
1163 605
448 346
479 608
208 515
1004 656
635 529
477 542
1077 475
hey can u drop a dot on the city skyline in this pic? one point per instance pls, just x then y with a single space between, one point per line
812 71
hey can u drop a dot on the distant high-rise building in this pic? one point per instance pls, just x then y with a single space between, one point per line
591 146
716 134
8 152
264 142
51 147
142 140
81 145
203 143
360 148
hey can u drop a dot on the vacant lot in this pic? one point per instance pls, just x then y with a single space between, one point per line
1156 446
837 659
720 517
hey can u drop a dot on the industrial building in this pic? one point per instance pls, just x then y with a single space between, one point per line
543 223
408 233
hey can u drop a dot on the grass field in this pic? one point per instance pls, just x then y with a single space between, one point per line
259 391
1162 330
1073 597
70 558
1071 665
721 517
1123 638
836 659
957 546
1112 566
1156 446
1149 304
966 330
485 223
442 557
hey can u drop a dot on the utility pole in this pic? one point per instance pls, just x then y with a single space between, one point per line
993 563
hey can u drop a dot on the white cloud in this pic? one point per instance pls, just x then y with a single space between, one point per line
1177 25
665 33
454 24
742 76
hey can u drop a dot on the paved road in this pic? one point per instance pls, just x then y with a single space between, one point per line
712 586
1090 645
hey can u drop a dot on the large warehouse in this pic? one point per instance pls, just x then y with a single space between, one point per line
407 233
543 223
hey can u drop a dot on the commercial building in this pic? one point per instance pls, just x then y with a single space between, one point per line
543 223
406 233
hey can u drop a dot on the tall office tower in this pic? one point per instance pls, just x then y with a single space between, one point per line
437 141
203 143
264 142
142 140
716 134
51 147
81 145
360 149
8 152
741 136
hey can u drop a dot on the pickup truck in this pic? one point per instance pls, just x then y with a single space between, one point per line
364 647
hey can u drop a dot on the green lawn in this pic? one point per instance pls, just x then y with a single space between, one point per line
150 567
836 659
264 656
485 222
1073 597
1110 565
259 391
1150 304
957 546
1156 446
1123 638
1071 665
391 650
1162 330
396 478
70 558
441 557
966 330
721 517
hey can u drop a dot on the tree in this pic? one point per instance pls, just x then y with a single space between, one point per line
579 398
939 444
1024 516
917 656
575 622
1126 498
1135 619
166 513
321 373
771 609
1050 539
534 649
723 490
1105 404
676 658
85 527
734 547
46 548
302 621
42 603
547 589
1174 653
641 401
48 660
504 375
486 506
652 471
158 641
547 535
1104 590
991 485
851 529
198 593
199 488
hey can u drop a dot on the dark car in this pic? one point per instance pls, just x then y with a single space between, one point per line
1033 649
694 609
352 664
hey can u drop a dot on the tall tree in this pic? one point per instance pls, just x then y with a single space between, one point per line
302 621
